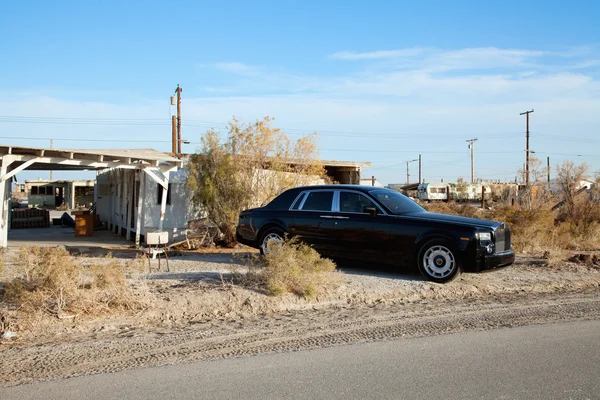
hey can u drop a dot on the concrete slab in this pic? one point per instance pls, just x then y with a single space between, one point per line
55 236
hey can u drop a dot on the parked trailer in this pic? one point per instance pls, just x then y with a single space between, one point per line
436 191
433 191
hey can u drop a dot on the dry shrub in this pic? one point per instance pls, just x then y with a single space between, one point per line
292 267
532 230
50 281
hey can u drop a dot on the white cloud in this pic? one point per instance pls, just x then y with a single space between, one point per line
379 54
432 59
236 68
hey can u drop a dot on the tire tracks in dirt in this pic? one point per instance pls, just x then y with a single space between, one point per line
297 331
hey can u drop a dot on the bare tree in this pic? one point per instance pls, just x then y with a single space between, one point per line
537 192
568 179
256 163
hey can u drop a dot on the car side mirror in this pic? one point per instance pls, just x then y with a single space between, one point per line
371 210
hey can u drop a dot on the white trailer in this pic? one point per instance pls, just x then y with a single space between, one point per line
436 191
432 191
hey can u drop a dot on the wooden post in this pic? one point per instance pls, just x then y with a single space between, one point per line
482 197
130 199
140 205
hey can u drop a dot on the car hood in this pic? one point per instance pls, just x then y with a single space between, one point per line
453 219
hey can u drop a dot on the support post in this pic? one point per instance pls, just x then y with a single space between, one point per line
123 208
140 205
130 199
111 190
117 202
72 194
163 204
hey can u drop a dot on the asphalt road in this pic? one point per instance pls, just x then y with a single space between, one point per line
554 361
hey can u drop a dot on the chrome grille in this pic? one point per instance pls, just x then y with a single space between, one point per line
502 238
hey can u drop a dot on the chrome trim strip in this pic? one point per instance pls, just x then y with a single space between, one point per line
296 200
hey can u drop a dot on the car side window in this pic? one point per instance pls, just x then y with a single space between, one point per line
355 203
318 201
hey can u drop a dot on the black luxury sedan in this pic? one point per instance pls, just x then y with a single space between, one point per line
366 223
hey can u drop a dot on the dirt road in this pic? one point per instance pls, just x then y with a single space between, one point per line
302 329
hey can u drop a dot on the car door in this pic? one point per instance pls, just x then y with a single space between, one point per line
313 220
361 235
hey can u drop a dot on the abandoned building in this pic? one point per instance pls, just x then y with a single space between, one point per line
137 190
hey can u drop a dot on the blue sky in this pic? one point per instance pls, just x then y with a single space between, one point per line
381 81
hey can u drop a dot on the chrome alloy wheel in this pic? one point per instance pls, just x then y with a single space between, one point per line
438 261
269 241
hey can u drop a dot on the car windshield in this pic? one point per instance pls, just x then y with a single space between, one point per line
395 202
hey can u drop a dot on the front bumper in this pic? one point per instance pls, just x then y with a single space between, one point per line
497 260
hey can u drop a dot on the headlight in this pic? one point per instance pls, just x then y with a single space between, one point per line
485 236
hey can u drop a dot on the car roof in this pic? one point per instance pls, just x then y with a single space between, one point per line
362 188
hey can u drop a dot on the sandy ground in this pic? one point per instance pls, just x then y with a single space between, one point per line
197 313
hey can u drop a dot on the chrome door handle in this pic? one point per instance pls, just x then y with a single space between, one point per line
341 217
327 216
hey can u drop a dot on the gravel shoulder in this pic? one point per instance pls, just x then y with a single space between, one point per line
198 314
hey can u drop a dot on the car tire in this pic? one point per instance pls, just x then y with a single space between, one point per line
438 261
270 234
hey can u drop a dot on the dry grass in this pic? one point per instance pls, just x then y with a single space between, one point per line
552 235
463 209
291 267
48 281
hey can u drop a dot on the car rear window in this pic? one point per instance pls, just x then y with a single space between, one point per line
318 201
283 201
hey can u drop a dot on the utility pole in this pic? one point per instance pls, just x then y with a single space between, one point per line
174 134
50 170
407 174
472 147
178 91
526 113
420 169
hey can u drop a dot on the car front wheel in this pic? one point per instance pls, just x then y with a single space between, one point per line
271 237
437 261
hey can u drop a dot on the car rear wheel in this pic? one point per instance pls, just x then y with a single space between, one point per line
270 237
437 261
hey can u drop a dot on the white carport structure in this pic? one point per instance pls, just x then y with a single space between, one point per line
125 167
